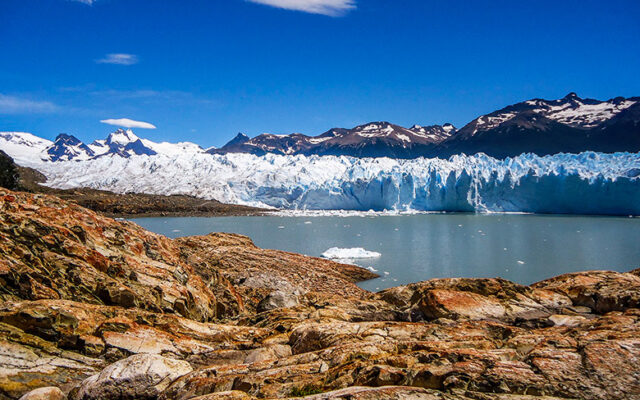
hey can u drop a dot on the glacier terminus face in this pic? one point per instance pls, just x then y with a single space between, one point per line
585 183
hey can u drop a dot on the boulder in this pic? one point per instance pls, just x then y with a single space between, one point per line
474 299
278 299
567 320
456 304
141 376
45 393
600 291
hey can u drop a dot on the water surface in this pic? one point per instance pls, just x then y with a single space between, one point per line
521 248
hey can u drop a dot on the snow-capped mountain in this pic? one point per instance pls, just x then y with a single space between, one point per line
375 139
27 148
68 147
24 147
124 143
569 125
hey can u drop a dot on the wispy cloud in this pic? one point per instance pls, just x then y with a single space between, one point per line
332 8
152 97
89 2
128 123
18 105
119 59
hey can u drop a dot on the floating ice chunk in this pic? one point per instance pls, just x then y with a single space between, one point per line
520 262
281 227
349 253
307 222
176 230
372 269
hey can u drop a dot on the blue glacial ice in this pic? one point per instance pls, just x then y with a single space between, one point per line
586 183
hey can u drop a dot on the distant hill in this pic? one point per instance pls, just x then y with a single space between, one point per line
8 172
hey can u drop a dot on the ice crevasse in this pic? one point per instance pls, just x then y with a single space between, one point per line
585 183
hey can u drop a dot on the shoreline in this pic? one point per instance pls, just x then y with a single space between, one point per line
187 214
93 301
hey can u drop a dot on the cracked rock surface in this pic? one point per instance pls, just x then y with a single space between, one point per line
93 308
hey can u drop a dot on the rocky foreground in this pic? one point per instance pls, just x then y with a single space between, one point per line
92 308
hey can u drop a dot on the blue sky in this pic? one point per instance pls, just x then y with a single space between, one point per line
203 70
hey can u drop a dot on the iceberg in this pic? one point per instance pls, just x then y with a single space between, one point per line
337 253
585 183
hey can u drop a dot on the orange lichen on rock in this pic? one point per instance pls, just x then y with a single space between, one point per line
95 308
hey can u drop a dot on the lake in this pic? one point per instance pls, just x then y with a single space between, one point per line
521 248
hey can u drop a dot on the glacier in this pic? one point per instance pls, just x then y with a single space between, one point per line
585 183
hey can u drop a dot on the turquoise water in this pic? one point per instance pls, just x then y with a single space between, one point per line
521 248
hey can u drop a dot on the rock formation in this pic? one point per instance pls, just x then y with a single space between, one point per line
100 309
8 171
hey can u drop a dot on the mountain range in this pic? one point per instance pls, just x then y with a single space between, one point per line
375 139
542 127
569 125
24 146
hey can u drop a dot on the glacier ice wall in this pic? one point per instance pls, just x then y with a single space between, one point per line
586 183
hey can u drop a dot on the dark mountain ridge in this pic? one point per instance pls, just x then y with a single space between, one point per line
375 139
539 126
569 125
